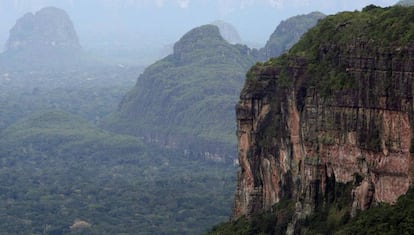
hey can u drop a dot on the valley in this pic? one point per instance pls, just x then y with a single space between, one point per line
215 137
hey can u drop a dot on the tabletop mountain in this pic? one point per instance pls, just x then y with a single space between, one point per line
326 131
187 98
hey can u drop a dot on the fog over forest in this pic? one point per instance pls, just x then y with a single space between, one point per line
148 28
124 116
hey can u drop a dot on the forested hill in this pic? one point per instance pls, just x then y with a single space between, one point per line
187 99
57 170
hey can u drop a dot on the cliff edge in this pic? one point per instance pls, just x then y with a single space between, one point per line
331 121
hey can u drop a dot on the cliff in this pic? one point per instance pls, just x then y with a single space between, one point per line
49 27
331 121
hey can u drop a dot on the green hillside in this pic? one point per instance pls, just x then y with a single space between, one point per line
58 133
187 99
55 168
383 219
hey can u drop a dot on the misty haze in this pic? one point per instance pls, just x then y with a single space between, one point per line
206 117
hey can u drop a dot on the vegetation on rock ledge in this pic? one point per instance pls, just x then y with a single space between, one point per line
319 67
383 219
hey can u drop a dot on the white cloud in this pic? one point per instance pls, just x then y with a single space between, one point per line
183 3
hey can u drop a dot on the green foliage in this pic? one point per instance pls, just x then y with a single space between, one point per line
384 219
320 61
240 226
376 26
56 168
58 133
326 139
332 210
92 94
334 218
274 222
324 45
288 32
189 95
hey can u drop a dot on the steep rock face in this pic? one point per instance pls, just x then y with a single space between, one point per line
49 27
45 40
335 112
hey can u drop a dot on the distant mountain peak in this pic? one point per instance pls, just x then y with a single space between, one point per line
288 32
200 38
186 99
50 27
406 3
44 40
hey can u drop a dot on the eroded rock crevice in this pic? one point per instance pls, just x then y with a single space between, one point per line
297 143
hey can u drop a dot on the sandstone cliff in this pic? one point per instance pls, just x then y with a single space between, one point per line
332 119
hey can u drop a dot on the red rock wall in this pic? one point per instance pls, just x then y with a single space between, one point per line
293 140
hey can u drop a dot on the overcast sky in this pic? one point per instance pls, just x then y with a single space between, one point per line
164 21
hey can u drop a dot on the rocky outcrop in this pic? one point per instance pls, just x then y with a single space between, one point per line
44 41
331 119
49 27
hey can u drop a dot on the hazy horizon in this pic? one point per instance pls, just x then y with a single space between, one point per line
116 130
157 23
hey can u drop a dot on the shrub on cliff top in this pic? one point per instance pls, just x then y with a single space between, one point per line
324 46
